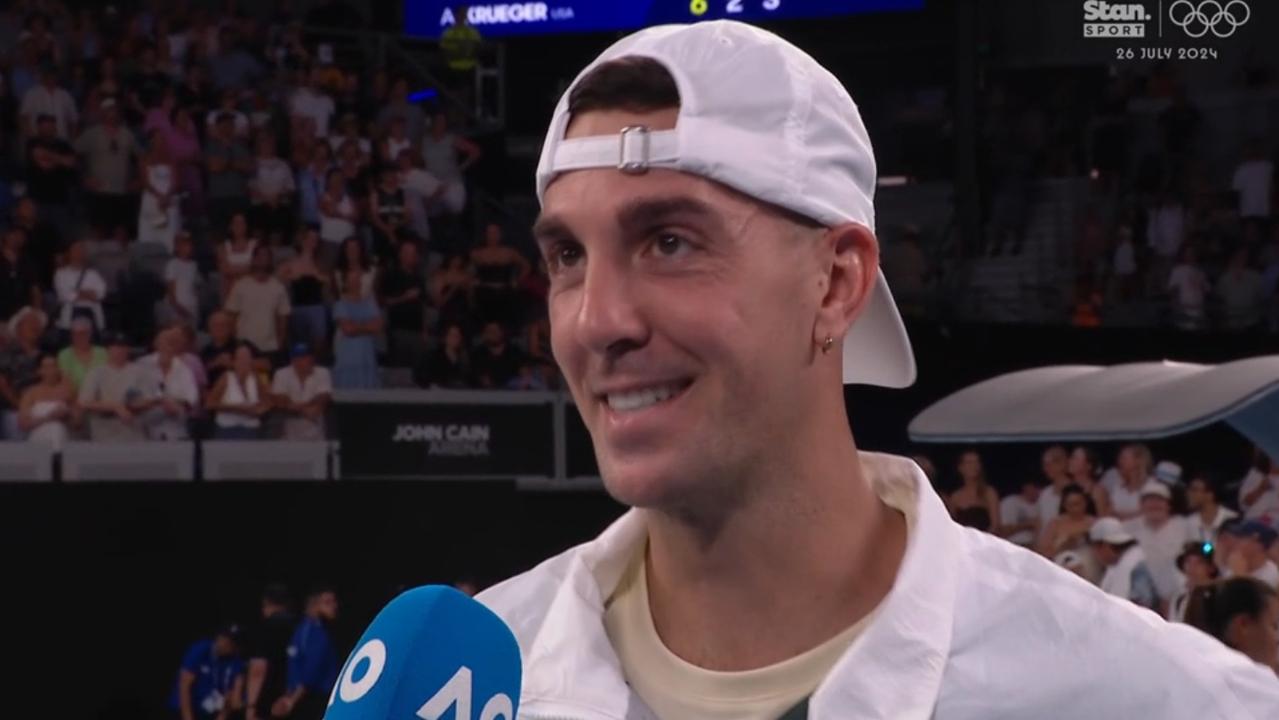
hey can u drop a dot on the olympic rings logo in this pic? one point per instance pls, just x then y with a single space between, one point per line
1210 15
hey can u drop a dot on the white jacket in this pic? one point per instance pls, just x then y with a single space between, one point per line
975 628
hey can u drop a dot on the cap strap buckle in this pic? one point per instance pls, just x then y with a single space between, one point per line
634 150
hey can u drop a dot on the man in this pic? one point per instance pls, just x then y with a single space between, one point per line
229 164
1161 535
1197 566
19 367
211 679
302 391
19 276
403 295
313 664
80 289
166 393
1253 178
259 303
708 294
272 190
1126 480
311 108
1054 463
495 362
1206 512
268 653
51 169
49 98
1020 515
400 106
109 150
1127 575
1252 542
104 396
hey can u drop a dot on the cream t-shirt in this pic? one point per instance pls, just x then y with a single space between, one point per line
678 690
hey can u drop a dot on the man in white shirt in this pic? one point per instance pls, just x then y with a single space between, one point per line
166 394
1127 574
1249 556
1127 479
1253 180
1207 515
1055 467
714 280
301 391
260 304
1259 492
48 98
1020 515
1162 536
80 288
311 108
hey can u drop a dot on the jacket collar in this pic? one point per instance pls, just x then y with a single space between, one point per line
894 669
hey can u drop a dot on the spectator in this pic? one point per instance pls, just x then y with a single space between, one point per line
420 189
1123 267
51 169
233 66
43 241
183 140
403 297
268 653
499 268
399 105
353 257
1084 467
396 141
452 288
181 275
1165 233
1126 574
211 678
261 113
312 182
1252 542
160 116
107 86
1240 291
19 284
388 214
184 339
311 108
1259 491
440 151
1054 463
194 93
1206 512
338 213
104 396
1189 286
1161 535
448 366
1253 180
1196 565
19 366
272 190
1068 530
80 289
302 391
237 400
159 218
49 98
975 503
1019 519
167 394
229 164
46 406
308 287
349 134
149 82
495 362
218 353
1125 481
358 324
350 161
109 150
537 375
313 663
260 305
77 359
1243 614
235 255
228 104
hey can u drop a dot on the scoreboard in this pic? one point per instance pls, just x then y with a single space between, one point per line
428 18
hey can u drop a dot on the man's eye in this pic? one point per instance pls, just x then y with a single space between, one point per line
670 244
563 255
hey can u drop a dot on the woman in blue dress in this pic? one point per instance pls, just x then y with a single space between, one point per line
359 321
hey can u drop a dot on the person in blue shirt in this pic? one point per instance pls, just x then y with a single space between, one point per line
210 682
313 662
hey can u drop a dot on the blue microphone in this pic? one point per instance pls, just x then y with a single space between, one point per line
431 653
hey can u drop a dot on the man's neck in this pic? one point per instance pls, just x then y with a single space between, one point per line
1208 513
811 551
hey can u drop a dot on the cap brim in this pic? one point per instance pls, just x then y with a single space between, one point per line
876 348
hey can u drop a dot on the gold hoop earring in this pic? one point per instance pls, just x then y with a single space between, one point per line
827 344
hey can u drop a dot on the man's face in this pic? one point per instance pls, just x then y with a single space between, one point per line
327 606
1196 494
303 364
1054 462
1127 461
1155 510
1105 553
1198 570
667 321
118 354
262 261
223 646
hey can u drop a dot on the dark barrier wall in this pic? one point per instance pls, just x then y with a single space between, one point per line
105 585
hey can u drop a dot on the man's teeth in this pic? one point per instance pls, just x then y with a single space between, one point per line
640 399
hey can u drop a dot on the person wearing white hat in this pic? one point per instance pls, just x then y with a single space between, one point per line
1162 537
708 227
1127 575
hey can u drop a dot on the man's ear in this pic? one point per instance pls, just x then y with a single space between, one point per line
851 263
1238 630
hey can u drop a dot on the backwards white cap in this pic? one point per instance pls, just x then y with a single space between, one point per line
764 118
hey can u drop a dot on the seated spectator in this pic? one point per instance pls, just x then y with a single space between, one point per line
975 503
1083 466
77 359
1019 515
308 285
237 400
495 362
1189 287
354 258
359 322
338 213
46 406
80 289
499 268
1198 569
19 367
1259 491
1126 574
166 395
452 288
1076 515
181 276
210 682
1243 614
19 282
184 346
1248 557
1126 480
1239 288
104 396
260 305
272 190
403 297
235 256
1161 535
448 366
1207 515
302 391
159 216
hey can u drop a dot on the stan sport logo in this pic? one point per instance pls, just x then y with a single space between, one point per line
1197 18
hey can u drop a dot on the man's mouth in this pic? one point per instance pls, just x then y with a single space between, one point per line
639 398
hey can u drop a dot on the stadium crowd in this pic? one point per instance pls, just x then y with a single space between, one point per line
209 226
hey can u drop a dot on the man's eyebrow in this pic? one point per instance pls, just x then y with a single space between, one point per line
637 213
549 226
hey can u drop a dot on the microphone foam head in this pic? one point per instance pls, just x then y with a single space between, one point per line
432 653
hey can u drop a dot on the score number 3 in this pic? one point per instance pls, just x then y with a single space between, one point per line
699 7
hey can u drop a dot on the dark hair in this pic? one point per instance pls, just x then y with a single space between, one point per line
628 83
1073 489
344 265
1210 481
319 589
276 594
1213 606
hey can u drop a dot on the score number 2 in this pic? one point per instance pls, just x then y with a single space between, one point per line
699 7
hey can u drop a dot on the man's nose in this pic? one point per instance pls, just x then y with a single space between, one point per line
610 317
